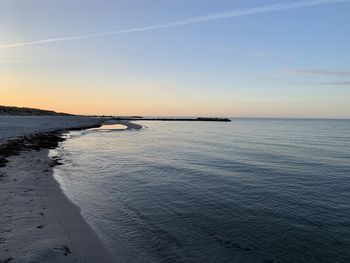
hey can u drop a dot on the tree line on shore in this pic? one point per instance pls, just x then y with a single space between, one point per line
10 110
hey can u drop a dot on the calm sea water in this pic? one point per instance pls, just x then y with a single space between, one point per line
252 190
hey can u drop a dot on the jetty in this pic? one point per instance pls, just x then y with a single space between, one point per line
139 118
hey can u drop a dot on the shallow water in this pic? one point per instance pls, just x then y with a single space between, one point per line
251 189
111 127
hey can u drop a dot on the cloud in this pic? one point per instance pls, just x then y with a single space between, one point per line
335 83
189 21
320 72
323 83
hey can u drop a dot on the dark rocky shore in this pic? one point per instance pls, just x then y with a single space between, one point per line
46 140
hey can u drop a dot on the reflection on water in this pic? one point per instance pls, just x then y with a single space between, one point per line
250 190
110 127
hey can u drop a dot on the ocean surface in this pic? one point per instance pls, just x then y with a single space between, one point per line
253 190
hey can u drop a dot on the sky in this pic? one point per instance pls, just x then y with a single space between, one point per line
237 58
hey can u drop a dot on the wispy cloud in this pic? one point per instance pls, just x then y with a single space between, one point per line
189 21
320 72
321 83
335 83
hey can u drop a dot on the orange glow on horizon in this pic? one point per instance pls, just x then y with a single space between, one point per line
145 99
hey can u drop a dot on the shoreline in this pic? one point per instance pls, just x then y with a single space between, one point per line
38 221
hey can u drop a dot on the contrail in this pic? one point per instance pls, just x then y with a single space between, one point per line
193 20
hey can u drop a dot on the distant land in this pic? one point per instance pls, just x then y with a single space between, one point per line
24 111
10 110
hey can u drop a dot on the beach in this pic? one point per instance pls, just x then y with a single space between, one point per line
38 223
77 189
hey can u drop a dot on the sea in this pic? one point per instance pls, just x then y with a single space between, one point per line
250 190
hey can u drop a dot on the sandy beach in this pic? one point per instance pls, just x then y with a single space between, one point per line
38 223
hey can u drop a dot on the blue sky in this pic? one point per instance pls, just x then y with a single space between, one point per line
286 63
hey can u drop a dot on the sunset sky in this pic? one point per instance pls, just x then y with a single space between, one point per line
239 58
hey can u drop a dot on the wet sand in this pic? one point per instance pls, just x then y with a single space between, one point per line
38 222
